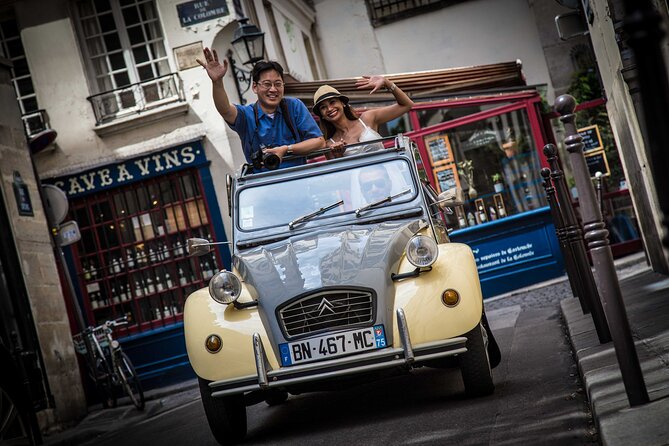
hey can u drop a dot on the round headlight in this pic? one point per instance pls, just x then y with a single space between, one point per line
422 251
225 287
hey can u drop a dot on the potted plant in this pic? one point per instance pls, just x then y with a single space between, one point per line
497 183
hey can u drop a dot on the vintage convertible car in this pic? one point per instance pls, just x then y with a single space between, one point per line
342 273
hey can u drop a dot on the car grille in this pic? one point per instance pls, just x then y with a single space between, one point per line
325 310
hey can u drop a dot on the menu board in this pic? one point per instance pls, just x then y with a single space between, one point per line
446 178
439 149
591 138
597 162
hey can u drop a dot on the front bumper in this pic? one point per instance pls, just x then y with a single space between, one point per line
267 378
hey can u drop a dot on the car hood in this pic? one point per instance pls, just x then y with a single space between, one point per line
350 256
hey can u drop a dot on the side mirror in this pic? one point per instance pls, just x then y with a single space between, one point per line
198 247
451 197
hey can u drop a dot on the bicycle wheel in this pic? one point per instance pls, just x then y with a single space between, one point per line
129 380
103 383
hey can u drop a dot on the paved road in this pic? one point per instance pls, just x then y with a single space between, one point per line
537 399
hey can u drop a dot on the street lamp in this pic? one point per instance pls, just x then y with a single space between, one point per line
249 44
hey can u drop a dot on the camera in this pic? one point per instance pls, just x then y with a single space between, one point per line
261 159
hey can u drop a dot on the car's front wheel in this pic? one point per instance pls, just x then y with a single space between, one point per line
475 364
226 415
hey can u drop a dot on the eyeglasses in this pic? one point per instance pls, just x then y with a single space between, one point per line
379 184
266 85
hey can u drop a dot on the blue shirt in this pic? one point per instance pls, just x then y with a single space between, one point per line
274 132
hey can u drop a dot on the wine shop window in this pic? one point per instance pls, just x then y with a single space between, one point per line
132 258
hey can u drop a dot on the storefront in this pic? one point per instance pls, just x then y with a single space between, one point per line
135 217
489 145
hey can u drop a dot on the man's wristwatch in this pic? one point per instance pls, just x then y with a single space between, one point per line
290 149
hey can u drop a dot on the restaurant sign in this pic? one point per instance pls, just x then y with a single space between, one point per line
130 171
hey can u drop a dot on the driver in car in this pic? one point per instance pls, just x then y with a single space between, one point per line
375 183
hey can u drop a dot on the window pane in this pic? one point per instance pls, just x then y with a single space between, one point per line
105 83
145 72
107 22
127 99
24 86
148 11
153 30
116 61
14 48
135 35
121 79
95 46
29 105
102 5
130 15
112 41
141 54
157 50
20 67
9 29
100 65
162 68
90 26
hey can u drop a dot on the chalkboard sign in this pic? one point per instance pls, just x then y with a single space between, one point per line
597 162
446 178
439 149
591 138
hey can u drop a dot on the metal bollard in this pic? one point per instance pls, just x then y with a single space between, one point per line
575 238
596 235
565 247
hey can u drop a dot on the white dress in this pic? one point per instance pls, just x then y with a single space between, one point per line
367 134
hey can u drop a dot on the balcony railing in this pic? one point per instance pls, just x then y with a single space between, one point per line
35 122
137 98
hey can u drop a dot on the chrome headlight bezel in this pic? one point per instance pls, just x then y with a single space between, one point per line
225 287
422 251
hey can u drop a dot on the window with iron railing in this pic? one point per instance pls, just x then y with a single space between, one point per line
137 98
34 119
123 44
382 12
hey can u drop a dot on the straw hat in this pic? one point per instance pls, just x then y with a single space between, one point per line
326 92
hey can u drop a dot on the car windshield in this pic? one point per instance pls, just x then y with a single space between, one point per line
279 203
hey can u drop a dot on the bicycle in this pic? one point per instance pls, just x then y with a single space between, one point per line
108 366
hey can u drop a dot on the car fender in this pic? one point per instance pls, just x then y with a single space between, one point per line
428 318
203 316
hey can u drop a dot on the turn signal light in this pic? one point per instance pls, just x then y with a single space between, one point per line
450 298
213 343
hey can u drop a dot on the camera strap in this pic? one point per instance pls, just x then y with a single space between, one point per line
284 113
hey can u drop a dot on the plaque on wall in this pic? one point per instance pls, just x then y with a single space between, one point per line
199 11
185 55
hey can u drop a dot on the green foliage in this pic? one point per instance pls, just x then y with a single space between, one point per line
585 87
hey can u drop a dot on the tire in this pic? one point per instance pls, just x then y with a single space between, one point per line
494 353
226 415
475 364
104 384
276 397
129 380
15 420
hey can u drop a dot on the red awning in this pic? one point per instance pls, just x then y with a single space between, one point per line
422 84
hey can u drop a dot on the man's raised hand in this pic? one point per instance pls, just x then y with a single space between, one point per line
215 70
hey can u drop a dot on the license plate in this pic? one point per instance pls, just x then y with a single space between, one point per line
333 345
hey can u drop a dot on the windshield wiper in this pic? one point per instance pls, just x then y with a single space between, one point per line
308 217
374 204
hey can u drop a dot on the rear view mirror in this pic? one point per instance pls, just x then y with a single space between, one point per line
198 247
451 197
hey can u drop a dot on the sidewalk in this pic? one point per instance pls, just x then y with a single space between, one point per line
646 297
100 421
